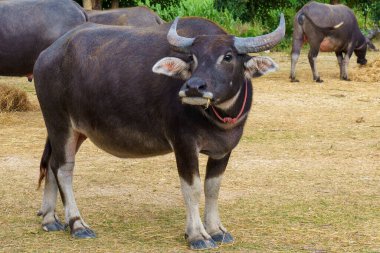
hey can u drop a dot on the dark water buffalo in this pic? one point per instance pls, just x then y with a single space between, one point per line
134 16
164 92
327 28
29 26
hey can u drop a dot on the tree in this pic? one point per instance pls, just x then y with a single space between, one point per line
87 4
115 4
96 4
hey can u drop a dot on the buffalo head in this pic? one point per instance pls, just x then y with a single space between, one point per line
217 65
361 53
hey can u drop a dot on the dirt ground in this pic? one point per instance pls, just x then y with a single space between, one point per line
304 178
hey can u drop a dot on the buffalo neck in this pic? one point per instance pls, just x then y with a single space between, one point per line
235 114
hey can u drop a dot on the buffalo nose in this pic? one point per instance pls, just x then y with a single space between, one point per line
195 87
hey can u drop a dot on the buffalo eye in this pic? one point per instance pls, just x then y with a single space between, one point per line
227 57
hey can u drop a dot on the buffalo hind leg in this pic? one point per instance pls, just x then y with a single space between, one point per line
214 174
295 55
195 233
339 56
313 53
62 164
298 39
50 221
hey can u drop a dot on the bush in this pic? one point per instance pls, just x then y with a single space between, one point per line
205 8
106 4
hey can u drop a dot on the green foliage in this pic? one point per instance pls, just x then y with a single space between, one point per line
106 4
238 8
205 8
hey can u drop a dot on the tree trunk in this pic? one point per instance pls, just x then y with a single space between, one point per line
96 4
115 4
334 1
87 4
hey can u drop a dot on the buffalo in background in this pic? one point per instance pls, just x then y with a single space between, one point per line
27 27
328 28
134 16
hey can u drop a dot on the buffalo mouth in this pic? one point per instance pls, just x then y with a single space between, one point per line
203 100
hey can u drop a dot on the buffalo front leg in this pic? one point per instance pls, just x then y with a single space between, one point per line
50 221
214 174
345 62
313 53
195 233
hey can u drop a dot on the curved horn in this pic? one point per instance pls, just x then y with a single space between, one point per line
261 43
176 40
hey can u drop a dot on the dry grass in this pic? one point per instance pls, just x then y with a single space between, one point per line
369 72
13 99
304 178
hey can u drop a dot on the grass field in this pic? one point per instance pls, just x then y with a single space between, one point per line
304 178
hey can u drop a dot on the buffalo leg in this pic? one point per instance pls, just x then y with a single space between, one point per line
339 56
298 40
313 53
195 233
50 220
296 50
295 56
346 61
214 174
62 163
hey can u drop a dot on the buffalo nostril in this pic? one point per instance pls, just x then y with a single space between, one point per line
202 87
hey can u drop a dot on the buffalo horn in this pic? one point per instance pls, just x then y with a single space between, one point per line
176 40
261 43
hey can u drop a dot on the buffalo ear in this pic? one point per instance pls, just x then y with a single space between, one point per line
259 65
172 66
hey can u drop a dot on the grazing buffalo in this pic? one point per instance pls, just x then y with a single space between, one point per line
188 94
327 28
28 27
134 16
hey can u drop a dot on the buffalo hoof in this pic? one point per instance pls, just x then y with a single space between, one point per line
319 80
294 80
223 238
53 226
203 244
83 233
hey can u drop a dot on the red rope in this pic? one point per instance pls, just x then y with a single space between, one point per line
229 120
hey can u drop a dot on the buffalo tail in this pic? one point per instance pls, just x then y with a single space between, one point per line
44 162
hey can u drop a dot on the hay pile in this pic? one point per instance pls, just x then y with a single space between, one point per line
13 99
367 73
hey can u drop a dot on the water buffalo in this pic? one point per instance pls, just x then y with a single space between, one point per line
28 27
327 28
164 92
134 16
